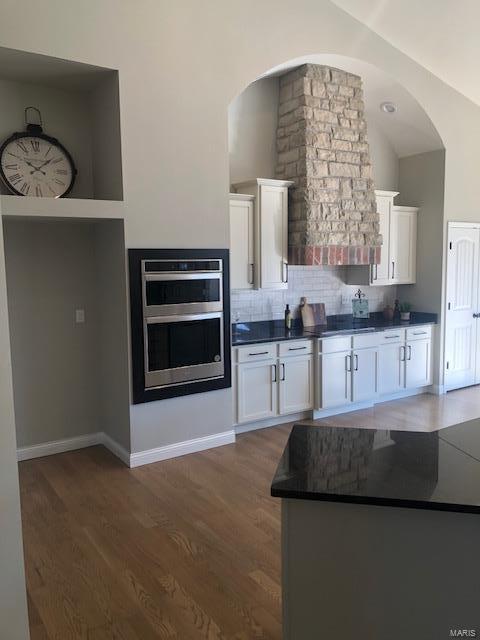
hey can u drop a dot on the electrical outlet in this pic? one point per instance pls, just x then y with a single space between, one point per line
79 316
346 299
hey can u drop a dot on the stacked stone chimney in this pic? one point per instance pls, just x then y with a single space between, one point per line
323 147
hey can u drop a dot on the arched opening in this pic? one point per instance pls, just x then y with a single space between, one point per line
407 156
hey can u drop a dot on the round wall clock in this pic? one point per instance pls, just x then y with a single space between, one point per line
34 164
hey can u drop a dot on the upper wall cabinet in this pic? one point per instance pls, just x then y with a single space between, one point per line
270 231
242 218
79 105
398 226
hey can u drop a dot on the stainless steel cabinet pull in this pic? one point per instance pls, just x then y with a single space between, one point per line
258 353
252 273
283 372
348 363
393 268
274 366
402 354
391 337
285 271
409 352
356 362
296 348
419 333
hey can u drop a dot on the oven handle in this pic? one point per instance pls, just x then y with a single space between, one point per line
180 275
183 318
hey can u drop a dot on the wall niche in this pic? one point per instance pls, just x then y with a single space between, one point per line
79 104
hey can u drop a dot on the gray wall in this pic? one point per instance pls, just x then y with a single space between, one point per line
422 184
69 379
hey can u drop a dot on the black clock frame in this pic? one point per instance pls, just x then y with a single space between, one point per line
35 131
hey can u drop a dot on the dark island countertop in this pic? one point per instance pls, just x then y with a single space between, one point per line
439 470
274 330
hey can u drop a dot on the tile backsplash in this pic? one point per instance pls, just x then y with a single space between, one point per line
317 284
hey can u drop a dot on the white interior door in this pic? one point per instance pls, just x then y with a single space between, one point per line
273 236
462 304
241 244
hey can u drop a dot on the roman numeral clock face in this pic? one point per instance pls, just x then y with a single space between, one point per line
34 166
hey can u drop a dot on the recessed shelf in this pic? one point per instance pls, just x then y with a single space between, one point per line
79 104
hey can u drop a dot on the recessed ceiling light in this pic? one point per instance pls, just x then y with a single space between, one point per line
388 107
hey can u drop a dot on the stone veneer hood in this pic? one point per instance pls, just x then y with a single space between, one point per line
322 146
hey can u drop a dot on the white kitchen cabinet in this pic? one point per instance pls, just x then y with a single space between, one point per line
403 244
295 384
364 374
242 266
398 227
418 366
391 368
273 379
257 390
270 232
335 379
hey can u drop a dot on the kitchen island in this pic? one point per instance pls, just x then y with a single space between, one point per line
380 533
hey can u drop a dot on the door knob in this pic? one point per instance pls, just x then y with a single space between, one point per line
476 315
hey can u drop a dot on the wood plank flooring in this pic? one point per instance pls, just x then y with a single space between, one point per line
183 549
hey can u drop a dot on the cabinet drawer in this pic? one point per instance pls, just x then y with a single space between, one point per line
419 333
392 336
295 347
366 340
332 345
253 352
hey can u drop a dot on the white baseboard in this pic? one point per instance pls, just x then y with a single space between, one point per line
181 448
335 411
59 446
438 389
131 460
272 422
114 447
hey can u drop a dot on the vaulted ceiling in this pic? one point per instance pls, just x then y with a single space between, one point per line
441 35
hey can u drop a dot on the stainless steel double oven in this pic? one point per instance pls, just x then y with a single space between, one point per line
184 321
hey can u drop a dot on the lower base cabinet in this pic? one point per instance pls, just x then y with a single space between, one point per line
256 390
347 376
278 379
274 386
404 366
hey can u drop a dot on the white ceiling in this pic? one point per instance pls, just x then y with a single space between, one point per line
409 130
441 35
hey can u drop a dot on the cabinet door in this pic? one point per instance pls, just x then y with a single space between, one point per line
257 390
335 379
273 237
241 244
380 272
403 245
418 364
364 369
391 368
296 384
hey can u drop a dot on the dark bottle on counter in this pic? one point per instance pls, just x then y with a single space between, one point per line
288 317
396 310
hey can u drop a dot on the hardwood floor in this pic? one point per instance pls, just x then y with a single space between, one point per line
187 548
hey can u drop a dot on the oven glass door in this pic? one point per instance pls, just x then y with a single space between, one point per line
180 349
168 293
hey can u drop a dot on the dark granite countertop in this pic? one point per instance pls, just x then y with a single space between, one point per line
274 330
438 470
